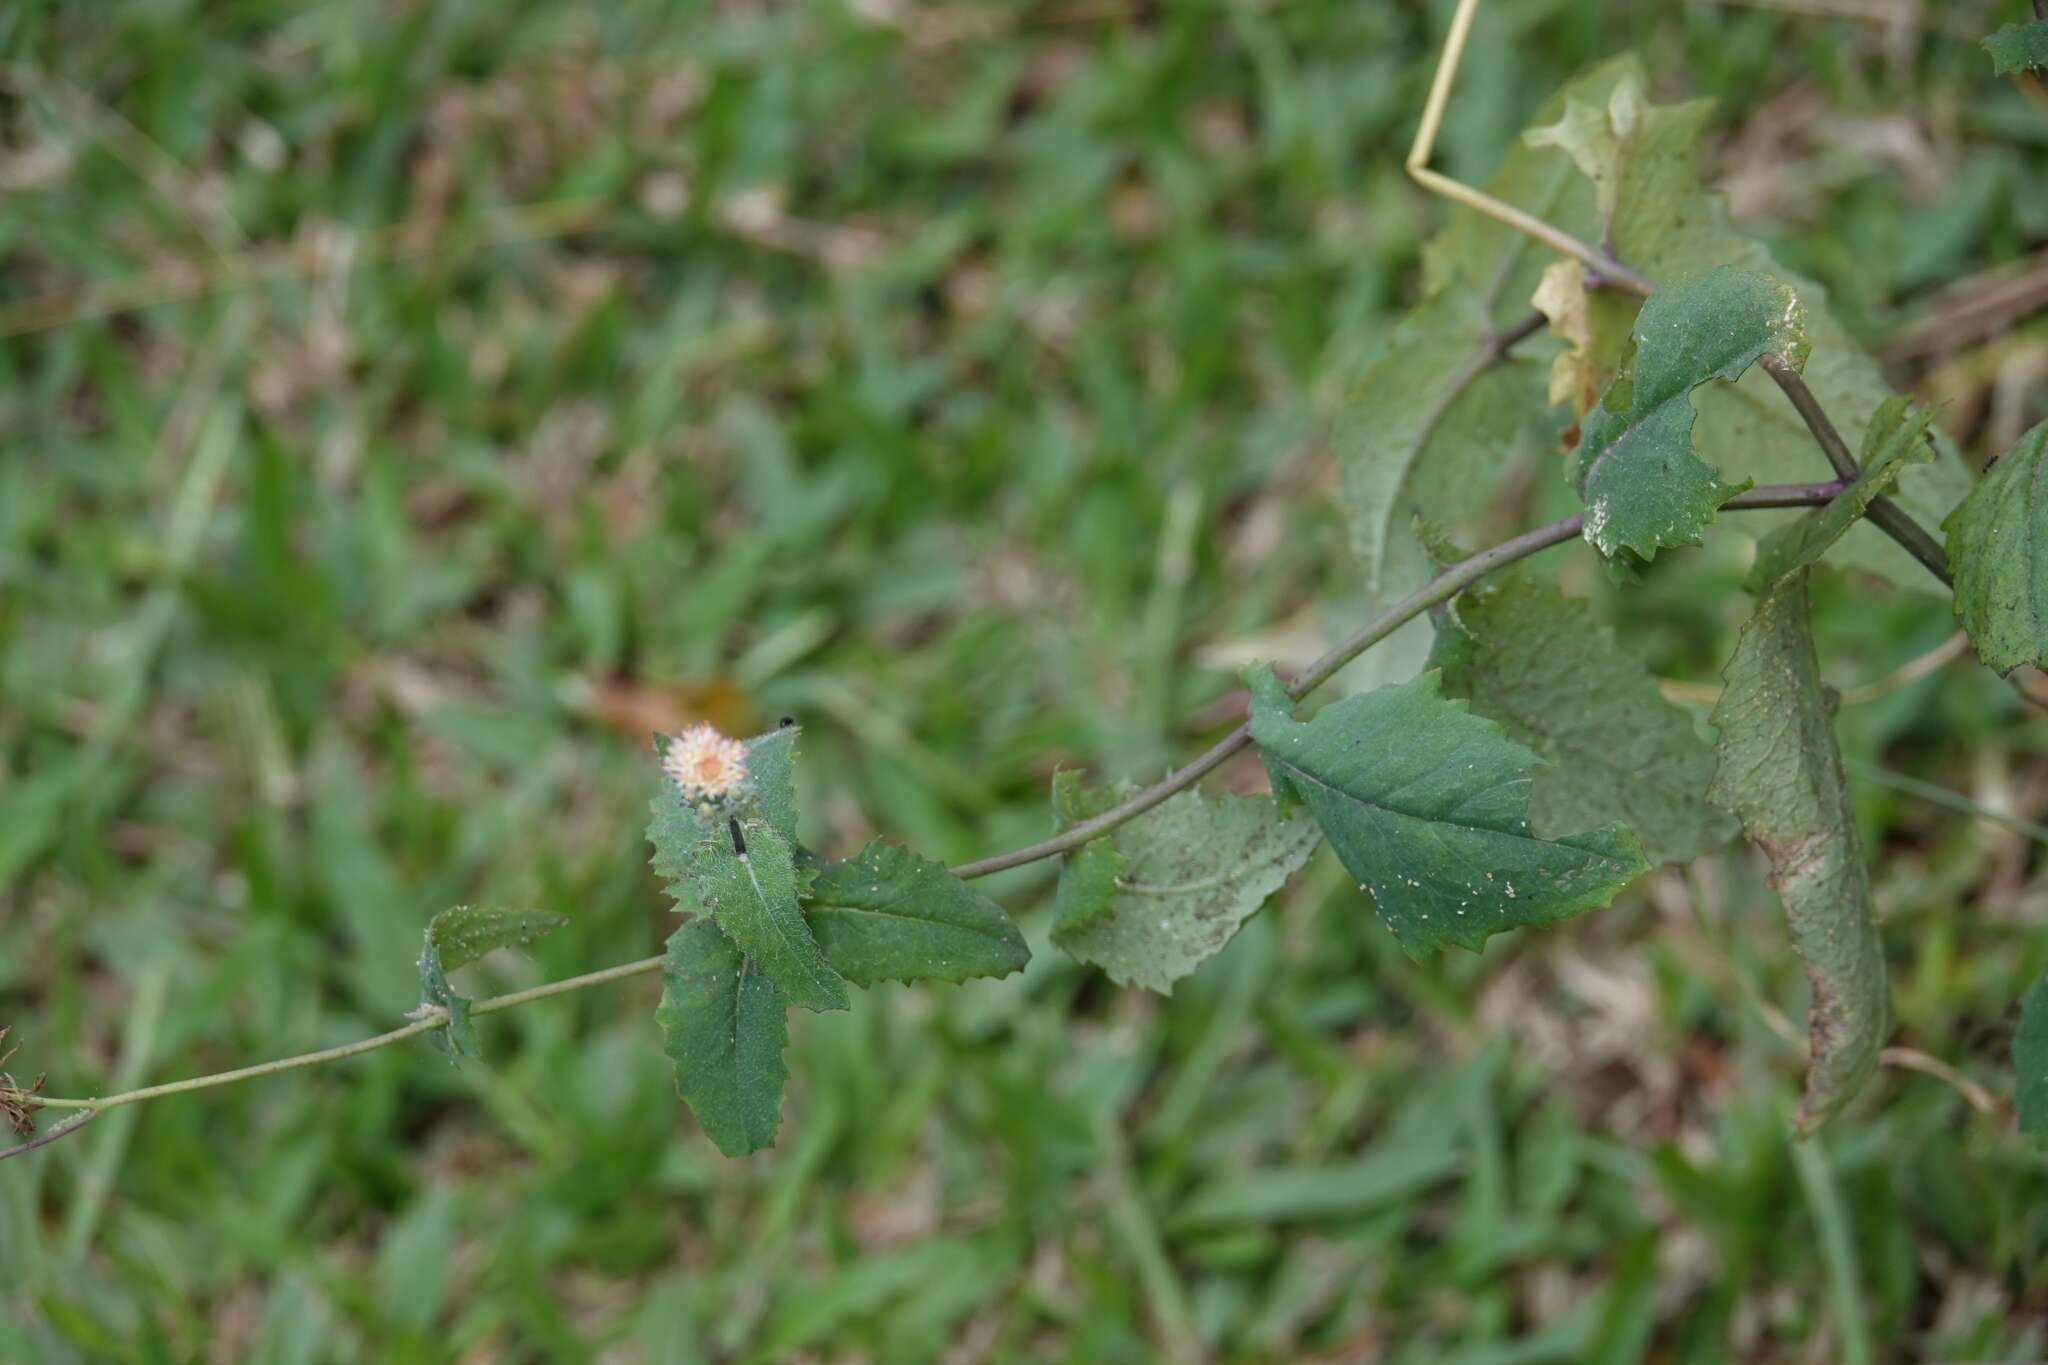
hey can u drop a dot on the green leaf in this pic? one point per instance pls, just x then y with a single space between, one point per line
1185 877
1087 889
1596 136
1998 555
1543 666
2018 47
1668 222
2030 1062
676 826
1781 773
1389 1175
1897 437
1428 806
457 937
1427 429
889 915
1635 469
751 890
724 1025
771 760
1424 431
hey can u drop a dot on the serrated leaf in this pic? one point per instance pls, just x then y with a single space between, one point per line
675 826
751 890
2018 47
2030 1062
457 937
1668 222
1427 806
890 915
1780 771
1644 487
1897 437
1998 556
724 1026
1543 666
1185 877
771 779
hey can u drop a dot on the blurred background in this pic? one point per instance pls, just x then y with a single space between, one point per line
405 407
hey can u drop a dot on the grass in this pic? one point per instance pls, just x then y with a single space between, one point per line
414 405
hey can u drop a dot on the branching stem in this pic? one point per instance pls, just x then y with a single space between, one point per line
1446 585
1885 514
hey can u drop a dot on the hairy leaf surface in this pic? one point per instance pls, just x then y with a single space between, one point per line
1998 555
2018 47
676 826
890 915
1185 877
457 937
752 893
1427 805
1644 487
771 761
724 1025
1781 773
1551 673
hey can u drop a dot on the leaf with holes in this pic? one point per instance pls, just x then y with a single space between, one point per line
1644 487
724 1026
1998 555
1427 806
2018 47
1667 222
889 915
1780 771
1542 665
1186 876
457 937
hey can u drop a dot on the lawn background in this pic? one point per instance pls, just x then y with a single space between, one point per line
961 379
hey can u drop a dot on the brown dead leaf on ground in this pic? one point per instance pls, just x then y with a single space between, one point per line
636 708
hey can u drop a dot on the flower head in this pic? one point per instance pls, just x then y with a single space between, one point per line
704 763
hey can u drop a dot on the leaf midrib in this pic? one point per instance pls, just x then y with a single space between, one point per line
1433 822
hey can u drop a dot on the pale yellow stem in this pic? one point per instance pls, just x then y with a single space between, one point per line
1594 259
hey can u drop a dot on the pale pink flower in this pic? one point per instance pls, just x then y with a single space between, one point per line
704 763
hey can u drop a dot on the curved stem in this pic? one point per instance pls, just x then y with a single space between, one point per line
1442 588
1446 585
44 1139
431 1018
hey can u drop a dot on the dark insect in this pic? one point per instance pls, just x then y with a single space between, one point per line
785 723
739 841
